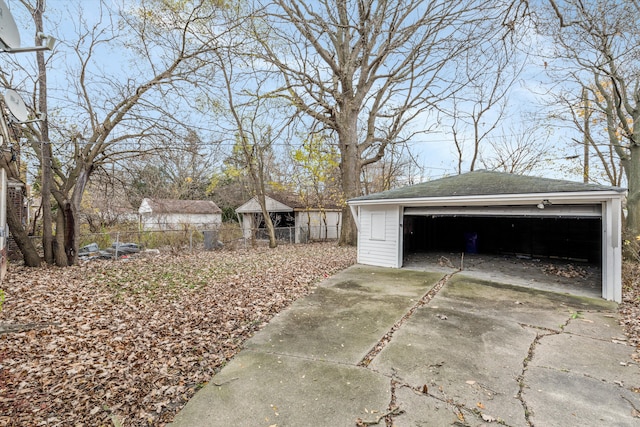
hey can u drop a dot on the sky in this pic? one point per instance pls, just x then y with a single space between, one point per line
434 150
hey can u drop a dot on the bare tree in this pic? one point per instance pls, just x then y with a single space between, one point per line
366 70
317 177
592 124
480 106
253 121
596 48
520 151
102 117
393 170
181 171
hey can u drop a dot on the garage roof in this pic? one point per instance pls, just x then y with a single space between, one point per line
481 183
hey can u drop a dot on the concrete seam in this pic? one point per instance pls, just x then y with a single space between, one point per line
386 338
525 366
542 328
457 408
591 377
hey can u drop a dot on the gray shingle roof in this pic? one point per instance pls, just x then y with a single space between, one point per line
481 183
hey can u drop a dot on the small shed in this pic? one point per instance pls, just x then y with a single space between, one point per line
252 220
170 214
494 212
317 224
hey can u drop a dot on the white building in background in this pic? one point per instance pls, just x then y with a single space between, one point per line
170 214
298 225
317 224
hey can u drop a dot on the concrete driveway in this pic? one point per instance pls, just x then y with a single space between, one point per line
427 349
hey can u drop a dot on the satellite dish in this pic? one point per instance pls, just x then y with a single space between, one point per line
16 105
9 34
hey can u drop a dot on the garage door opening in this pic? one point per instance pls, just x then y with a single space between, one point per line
553 253
571 239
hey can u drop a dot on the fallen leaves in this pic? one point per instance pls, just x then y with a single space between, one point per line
130 343
629 309
565 270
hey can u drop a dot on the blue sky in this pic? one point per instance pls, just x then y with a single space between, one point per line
435 149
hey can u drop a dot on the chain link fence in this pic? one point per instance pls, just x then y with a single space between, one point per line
116 244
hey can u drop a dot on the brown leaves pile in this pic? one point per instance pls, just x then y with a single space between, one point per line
128 343
568 270
629 310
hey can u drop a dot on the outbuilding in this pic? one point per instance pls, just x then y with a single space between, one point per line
495 213
170 214
314 224
252 220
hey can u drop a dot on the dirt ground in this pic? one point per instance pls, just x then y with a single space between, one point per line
573 277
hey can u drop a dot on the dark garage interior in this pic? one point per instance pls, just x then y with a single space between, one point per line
565 238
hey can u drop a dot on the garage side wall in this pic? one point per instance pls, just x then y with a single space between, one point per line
379 236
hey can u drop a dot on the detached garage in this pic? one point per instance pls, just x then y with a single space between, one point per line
495 213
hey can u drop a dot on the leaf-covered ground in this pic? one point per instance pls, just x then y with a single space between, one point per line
629 310
128 343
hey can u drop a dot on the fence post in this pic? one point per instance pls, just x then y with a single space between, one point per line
117 244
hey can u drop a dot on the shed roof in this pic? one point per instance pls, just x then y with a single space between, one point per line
484 183
252 206
167 206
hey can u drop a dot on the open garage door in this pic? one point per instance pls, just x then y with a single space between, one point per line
570 232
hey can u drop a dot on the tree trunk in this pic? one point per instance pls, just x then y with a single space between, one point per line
70 233
632 169
273 242
46 154
45 196
59 253
350 174
72 210
20 236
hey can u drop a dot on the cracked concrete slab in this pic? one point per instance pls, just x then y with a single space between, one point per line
421 410
461 355
476 353
262 389
527 306
599 359
355 323
602 326
558 398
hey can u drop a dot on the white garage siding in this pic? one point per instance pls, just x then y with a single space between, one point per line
379 239
612 250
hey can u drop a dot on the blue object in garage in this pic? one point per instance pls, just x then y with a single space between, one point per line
471 242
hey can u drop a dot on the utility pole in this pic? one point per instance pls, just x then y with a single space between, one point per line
586 133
